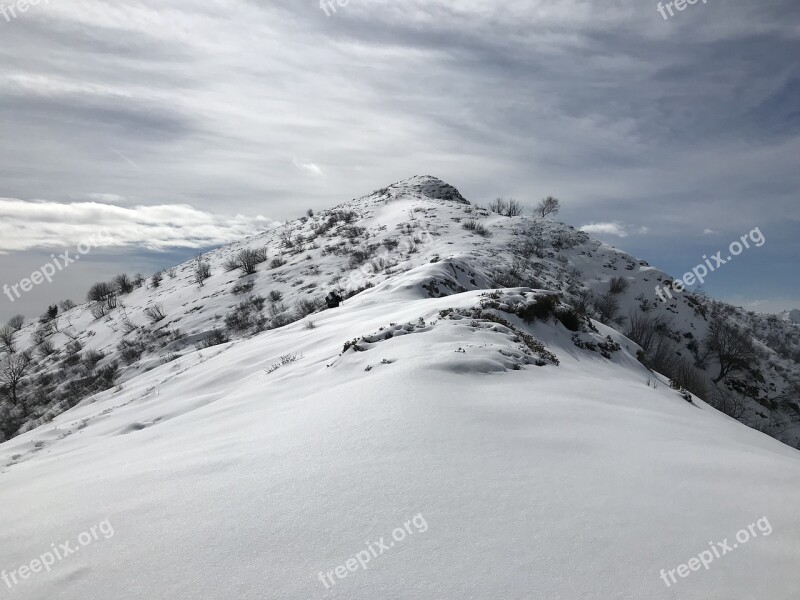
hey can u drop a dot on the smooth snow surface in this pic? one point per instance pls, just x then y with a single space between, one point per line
569 481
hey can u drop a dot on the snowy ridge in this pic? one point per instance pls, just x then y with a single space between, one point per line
539 449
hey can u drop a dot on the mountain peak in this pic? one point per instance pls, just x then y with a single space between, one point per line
425 185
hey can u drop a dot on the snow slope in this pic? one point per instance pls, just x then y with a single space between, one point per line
371 240
519 459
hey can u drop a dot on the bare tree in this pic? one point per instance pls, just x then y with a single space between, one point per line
12 371
727 401
548 206
7 338
16 322
730 346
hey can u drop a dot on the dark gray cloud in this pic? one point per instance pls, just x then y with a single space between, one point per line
270 107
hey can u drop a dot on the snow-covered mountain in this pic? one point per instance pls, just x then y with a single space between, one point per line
474 391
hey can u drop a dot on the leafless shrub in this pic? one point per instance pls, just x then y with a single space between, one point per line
202 271
16 322
305 307
276 263
359 256
46 348
91 358
100 291
156 279
99 310
248 259
123 284
246 315
214 338
154 313
645 329
131 350
243 287
172 272
617 285
66 305
475 227
606 307
275 296
230 264
277 308
128 326
507 208
42 332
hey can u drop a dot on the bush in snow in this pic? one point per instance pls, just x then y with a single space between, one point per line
617 285
243 287
475 227
202 271
123 284
154 313
305 307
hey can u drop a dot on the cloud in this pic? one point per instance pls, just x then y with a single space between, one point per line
708 231
26 225
106 198
310 167
623 117
615 229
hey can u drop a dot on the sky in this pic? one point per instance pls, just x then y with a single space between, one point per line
176 125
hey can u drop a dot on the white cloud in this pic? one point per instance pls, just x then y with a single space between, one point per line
106 198
615 228
310 167
43 224
707 231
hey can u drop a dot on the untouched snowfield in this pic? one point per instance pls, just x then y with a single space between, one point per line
449 471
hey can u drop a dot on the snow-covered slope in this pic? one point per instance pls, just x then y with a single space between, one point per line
371 240
430 438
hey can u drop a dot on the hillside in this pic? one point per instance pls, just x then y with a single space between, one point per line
432 437
137 325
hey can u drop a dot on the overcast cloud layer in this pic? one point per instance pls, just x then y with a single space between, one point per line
667 138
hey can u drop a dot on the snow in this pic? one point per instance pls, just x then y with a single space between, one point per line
227 478
569 481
